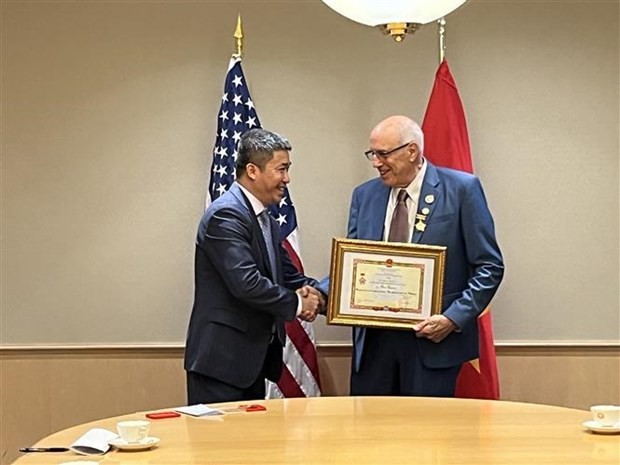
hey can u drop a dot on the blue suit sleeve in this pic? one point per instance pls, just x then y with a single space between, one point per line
483 256
353 214
323 284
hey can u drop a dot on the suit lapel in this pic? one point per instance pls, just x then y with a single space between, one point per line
429 196
244 202
379 205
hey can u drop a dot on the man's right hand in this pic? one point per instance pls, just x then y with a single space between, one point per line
309 303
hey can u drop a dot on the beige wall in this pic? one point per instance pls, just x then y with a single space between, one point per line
42 391
108 119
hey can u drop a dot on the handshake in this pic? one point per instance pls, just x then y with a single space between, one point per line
313 303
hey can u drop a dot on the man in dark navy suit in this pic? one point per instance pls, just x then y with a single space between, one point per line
246 286
434 206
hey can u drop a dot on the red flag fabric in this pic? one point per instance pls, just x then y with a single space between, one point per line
446 143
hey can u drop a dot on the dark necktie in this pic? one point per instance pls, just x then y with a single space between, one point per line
265 226
399 227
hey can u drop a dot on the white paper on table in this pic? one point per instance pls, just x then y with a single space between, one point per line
93 442
199 410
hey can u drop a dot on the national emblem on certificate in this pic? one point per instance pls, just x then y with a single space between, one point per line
384 284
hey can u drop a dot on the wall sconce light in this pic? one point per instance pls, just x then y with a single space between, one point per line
394 17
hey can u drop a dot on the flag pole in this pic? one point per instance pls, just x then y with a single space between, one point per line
442 39
239 38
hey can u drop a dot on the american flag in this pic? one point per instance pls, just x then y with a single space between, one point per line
300 371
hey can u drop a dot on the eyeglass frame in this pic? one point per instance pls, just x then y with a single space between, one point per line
383 155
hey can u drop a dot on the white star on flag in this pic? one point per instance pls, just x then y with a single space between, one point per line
237 99
237 81
281 219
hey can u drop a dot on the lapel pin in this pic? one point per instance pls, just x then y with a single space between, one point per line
420 226
425 211
430 198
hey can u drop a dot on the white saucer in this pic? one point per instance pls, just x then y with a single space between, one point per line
144 445
597 428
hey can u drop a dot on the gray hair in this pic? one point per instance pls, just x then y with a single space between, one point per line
413 132
256 146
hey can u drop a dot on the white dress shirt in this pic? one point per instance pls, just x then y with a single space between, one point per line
413 190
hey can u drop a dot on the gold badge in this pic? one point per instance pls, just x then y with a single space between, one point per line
430 198
420 226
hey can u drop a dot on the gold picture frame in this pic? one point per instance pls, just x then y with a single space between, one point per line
384 284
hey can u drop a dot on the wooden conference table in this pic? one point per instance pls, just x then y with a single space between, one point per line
362 430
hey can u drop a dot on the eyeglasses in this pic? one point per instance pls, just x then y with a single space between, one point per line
383 154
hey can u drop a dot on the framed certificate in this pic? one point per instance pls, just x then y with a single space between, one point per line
384 284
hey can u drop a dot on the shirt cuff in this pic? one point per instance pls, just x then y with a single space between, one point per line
298 304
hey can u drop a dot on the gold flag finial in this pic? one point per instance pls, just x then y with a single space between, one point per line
239 37
442 38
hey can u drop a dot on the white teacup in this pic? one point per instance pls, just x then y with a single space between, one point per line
606 415
133 431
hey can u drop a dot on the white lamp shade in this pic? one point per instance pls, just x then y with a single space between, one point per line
376 12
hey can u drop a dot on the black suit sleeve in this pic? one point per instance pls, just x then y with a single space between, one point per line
293 278
230 241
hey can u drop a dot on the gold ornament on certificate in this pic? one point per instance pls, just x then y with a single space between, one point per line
384 284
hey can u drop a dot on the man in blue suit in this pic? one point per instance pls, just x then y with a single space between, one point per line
439 206
246 286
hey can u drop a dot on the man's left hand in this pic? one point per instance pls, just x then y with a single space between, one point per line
436 328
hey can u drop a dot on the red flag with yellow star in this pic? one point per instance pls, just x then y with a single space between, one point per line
446 142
